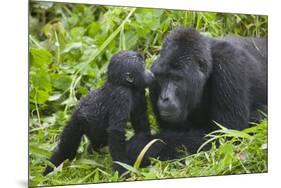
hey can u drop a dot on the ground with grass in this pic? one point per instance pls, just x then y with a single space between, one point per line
69 49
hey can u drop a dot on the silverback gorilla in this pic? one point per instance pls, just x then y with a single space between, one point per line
202 80
103 115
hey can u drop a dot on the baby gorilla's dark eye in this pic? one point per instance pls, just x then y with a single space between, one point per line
129 77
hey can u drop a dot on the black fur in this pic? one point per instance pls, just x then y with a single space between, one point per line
103 115
172 145
200 80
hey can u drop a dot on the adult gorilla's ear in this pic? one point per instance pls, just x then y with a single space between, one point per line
129 77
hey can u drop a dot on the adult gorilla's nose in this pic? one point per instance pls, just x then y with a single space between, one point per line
168 105
164 99
167 108
165 102
167 96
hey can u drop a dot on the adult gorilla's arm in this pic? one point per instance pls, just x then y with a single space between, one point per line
230 86
171 145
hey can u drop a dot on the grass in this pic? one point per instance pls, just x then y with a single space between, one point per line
70 46
239 152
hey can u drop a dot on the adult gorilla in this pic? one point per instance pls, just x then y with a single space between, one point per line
201 80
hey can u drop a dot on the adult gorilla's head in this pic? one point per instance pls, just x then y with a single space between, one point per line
181 71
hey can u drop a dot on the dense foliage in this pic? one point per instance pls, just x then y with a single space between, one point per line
69 49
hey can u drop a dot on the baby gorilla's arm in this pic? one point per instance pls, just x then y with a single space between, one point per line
119 116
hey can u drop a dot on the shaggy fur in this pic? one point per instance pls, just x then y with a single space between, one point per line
103 114
200 80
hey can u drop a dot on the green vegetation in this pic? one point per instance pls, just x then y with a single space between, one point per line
70 46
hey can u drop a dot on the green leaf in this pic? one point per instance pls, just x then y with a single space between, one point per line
205 143
143 151
39 151
131 39
38 96
61 81
236 134
227 153
128 167
77 33
107 41
97 176
226 149
72 46
41 96
89 162
41 80
54 97
149 19
86 177
219 125
40 57
93 29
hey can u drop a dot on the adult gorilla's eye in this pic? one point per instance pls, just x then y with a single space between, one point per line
178 64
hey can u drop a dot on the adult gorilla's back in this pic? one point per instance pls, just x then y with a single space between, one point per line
200 80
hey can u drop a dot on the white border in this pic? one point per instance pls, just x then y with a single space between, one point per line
13 82
249 6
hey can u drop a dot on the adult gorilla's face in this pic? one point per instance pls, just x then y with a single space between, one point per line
181 71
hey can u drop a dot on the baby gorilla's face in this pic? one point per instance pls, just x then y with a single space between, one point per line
127 68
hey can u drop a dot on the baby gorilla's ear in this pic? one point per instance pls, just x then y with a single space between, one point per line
129 77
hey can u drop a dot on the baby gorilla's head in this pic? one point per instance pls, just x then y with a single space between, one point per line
127 68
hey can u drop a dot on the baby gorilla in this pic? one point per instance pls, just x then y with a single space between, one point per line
103 115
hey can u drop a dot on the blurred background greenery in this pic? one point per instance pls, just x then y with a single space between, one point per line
70 46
